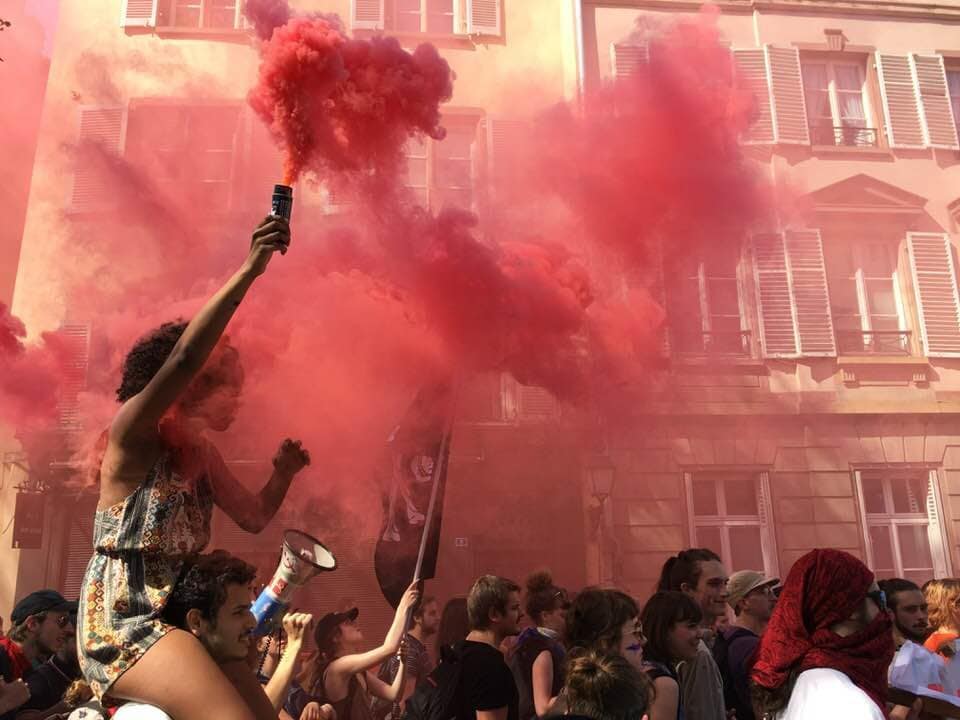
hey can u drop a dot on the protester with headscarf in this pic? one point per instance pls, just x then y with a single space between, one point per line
829 643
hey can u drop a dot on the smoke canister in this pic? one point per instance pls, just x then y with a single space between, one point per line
281 204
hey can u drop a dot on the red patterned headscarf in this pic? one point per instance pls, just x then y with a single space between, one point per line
825 587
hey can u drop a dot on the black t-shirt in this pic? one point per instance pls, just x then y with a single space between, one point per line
486 682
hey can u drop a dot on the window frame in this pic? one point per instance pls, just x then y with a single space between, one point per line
431 188
703 278
456 13
204 11
763 520
937 536
857 249
830 61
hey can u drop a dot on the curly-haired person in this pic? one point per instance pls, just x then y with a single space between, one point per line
159 479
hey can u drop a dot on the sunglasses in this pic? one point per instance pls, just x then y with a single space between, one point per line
880 598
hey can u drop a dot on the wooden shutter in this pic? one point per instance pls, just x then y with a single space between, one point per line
626 58
786 88
76 340
484 17
503 137
938 120
752 68
811 299
102 126
78 547
938 302
366 14
535 403
901 112
139 13
778 335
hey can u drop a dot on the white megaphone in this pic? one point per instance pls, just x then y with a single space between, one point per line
301 558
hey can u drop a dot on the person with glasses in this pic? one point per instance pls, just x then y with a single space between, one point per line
750 596
671 621
40 625
537 658
828 645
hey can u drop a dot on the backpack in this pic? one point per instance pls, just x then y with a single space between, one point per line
720 652
438 698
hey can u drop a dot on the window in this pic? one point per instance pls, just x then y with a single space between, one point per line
186 149
704 303
900 516
864 299
206 14
440 172
836 103
953 86
428 16
729 514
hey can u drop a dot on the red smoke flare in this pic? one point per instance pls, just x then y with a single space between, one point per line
338 104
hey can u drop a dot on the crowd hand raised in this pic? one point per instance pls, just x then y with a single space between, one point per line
316 711
410 596
291 458
295 625
270 236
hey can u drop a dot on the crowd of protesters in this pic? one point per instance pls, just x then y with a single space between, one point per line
817 646
165 631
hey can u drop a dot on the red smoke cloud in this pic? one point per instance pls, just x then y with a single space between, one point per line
338 104
339 333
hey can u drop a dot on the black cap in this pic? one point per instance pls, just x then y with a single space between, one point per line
329 622
41 601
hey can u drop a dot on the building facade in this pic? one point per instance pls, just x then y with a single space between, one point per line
814 371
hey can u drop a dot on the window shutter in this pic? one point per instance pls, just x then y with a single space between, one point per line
935 282
811 299
941 131
102 126
76 340
935 530
366 14
504 136
751 65
786 88
535 403
484 17
139 13
778 334
626 59
78 547
901 111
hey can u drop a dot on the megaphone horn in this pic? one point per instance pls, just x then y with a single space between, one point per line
301 558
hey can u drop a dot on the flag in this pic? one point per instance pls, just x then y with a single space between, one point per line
417 456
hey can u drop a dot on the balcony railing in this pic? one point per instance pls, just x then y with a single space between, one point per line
874 342
843 136
734 343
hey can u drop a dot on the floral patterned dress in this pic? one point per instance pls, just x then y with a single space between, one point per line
140 544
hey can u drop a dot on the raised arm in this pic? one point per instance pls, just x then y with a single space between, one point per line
391 692
340 670
296 626
252 511
139 416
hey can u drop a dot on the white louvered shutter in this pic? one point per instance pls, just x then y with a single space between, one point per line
941 130
901 111
366 14
139 13
535 403
778 334
808 283
503 137
935 530
485 17
752 68
789 106
102 126
626 58
938 302
76 340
